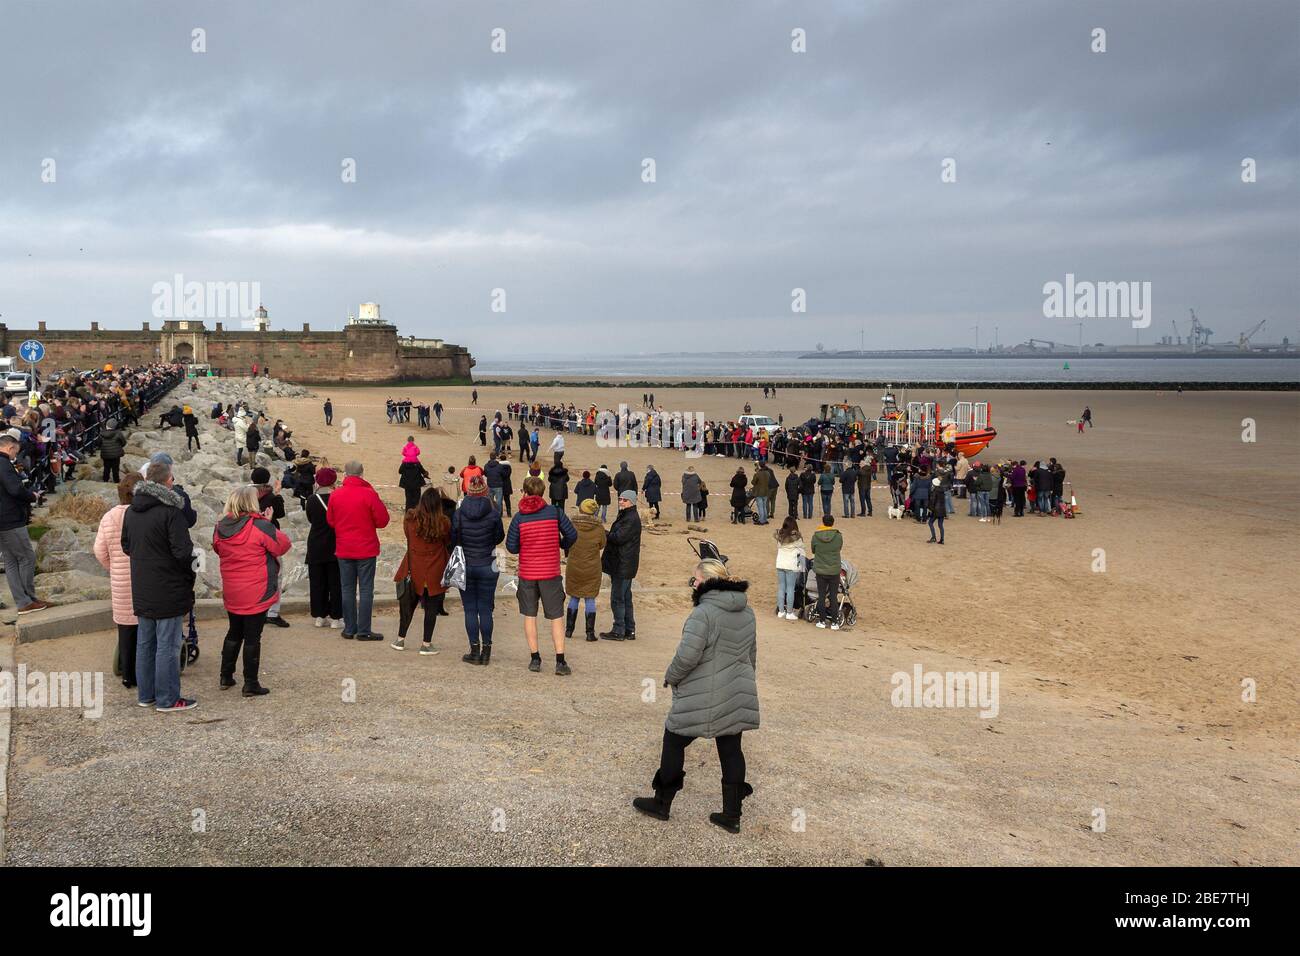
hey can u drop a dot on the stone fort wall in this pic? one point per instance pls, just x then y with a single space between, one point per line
359 354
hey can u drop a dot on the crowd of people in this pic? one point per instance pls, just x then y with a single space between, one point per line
455 528
59 426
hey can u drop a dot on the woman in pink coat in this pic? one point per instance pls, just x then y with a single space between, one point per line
249 547
109 553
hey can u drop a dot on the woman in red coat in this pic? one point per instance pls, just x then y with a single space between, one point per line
249 547
428 537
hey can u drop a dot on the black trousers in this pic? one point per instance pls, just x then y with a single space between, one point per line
111 466
673 757
126 636
412 497
828 590
245 633
432 608
192 438
326 590
1019 495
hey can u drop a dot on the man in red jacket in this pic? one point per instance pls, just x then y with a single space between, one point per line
538 532
356 513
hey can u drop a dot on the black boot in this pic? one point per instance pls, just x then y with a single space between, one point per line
591 626
252 661
732 796
659 805
570 621
474 656
229 653
486 656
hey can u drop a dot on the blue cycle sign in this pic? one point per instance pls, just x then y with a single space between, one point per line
31 351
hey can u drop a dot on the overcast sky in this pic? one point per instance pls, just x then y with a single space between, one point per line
775 170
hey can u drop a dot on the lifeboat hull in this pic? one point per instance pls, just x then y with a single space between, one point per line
971 444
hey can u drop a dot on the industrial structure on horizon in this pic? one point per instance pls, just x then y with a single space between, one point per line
1196 343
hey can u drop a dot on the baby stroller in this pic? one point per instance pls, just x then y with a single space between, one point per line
706 550
189 648
805 595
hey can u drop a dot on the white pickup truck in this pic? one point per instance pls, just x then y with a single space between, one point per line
758 423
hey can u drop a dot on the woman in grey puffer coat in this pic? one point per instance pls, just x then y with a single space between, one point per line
715 693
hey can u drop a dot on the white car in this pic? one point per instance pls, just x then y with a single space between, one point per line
16 382
758 423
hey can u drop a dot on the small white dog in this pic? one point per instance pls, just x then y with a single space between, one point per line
895 514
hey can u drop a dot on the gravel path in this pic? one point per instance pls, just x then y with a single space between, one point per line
438 762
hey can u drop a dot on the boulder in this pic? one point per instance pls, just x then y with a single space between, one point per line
84 561
70 587
59 538
87 486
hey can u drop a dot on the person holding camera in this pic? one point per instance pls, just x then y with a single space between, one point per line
16 500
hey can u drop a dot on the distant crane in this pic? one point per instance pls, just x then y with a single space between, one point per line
1200 334
1243 340
1178 337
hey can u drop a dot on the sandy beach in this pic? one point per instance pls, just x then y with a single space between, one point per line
1121 691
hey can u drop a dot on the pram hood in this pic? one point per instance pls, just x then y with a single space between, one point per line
848 576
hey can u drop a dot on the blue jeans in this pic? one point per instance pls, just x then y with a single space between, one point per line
495 495
785 585
158 659
864 497
479 599
826 502
936 516
807 505
947 497
620 602
848 504
357 574
604 511
760 505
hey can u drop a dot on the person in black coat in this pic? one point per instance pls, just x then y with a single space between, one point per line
507 486
476 528
329 412
156 537
849 486
603 485
792 492
16 500
412 477
322 565
1042 479
191 430
253 440
584 489
739 496
625 480
621 561
807 485
652 485
558 480
1058 483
